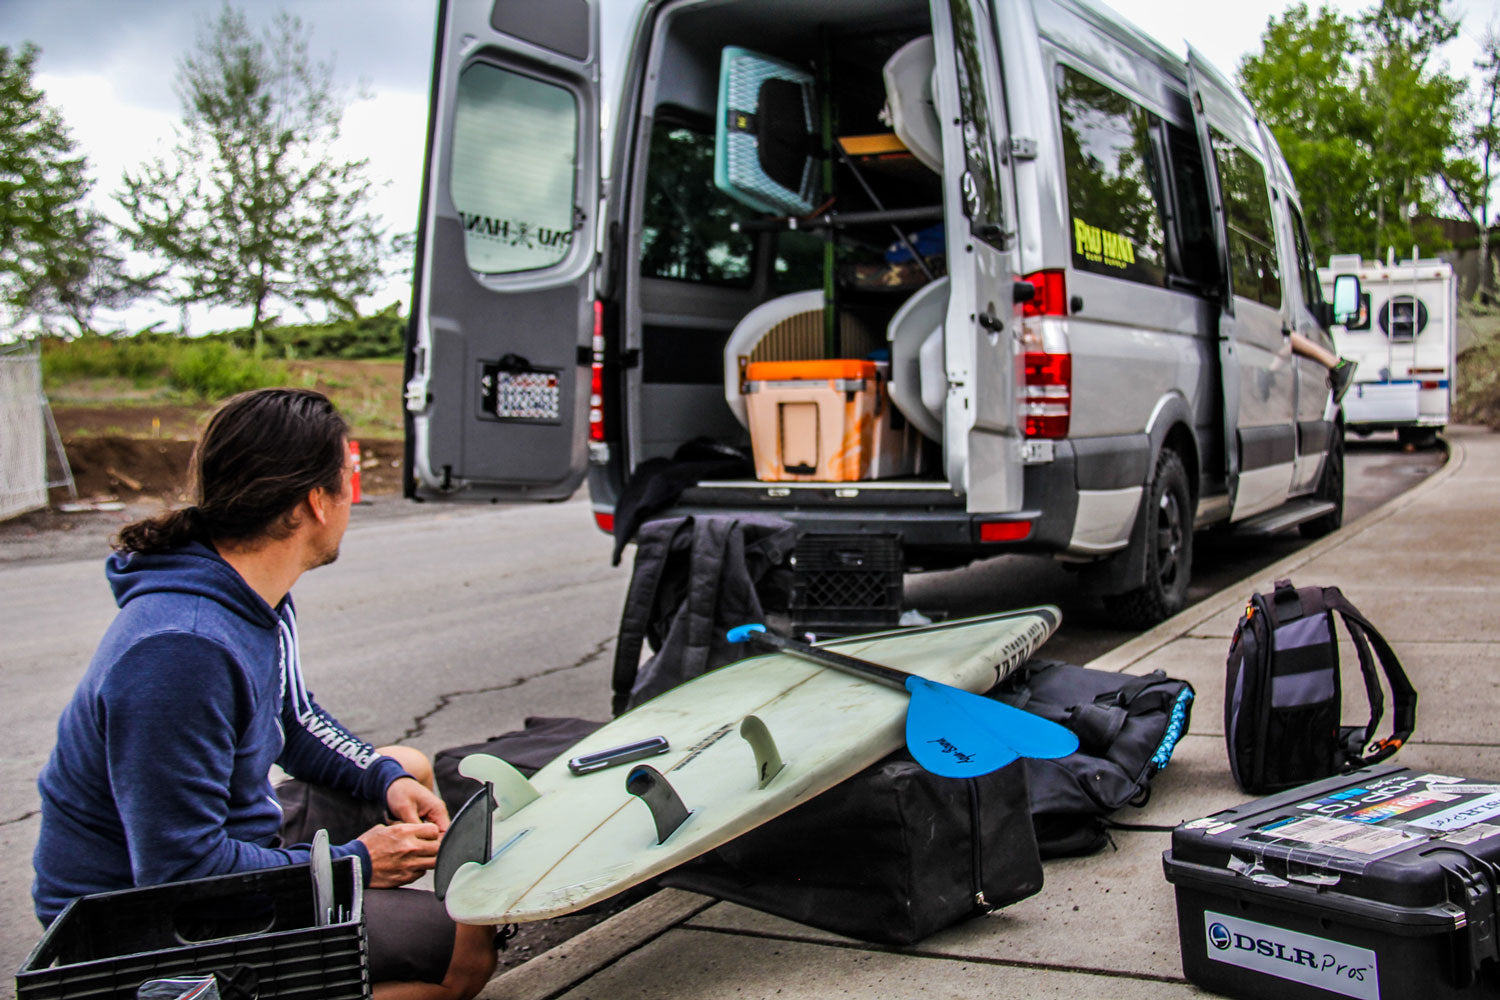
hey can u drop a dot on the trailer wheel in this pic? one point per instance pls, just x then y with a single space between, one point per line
1330 487
1420 438
1169 550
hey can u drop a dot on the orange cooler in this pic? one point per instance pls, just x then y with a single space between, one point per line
826 421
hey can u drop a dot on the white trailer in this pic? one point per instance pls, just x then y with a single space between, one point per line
1404 341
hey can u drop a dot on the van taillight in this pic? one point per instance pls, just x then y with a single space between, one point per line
1047 385
1051 298
1047 394
596 377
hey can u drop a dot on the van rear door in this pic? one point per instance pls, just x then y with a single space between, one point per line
500 344
981 440
1259 378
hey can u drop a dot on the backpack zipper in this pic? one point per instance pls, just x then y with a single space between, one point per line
977 841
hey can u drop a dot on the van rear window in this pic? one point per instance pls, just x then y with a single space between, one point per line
1114 195
515 155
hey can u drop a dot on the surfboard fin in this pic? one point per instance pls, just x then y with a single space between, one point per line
467 839
512 791
768 762
647 784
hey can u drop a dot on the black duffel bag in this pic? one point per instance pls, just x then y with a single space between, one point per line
891 855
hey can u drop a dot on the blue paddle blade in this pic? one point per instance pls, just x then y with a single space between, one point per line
955 734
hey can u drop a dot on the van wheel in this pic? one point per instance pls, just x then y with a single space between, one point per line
1330 487
1169 550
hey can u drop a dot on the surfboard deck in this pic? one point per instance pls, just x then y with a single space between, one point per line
567 841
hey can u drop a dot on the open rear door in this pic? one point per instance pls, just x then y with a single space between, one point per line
1257 373
981 437
499 348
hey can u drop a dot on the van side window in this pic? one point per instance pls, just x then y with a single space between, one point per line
686 233
514 169
1198 256
1307 265
981 185
1113 187
1247 210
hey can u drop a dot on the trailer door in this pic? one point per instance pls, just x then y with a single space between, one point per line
981 440
499 349
1255 352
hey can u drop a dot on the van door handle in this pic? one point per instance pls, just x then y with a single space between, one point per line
991 322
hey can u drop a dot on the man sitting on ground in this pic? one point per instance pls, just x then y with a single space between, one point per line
162 766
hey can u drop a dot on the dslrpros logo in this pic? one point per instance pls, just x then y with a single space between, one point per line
1219 936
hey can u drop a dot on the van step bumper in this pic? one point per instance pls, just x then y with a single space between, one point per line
1286 516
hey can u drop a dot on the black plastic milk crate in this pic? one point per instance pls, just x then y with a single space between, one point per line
846 583
105 946
1380 884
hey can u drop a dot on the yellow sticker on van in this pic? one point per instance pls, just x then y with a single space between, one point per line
1100 246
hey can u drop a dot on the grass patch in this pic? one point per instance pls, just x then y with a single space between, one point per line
191 370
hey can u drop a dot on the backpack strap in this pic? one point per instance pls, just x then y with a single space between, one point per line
1403 695
653 546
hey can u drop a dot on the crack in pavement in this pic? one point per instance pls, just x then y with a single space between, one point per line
419 722
21 818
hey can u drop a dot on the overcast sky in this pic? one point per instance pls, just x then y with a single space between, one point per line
108 66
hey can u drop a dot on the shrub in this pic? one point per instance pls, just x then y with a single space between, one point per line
142 358
381 335
204 368
215 369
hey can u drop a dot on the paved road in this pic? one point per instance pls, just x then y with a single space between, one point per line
444 625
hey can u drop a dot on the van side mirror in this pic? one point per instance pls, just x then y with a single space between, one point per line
1346 294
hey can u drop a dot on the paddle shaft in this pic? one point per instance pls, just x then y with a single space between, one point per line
889 676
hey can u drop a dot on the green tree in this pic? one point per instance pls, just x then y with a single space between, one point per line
1368 126
1468 180
56 255
251 206
1412 116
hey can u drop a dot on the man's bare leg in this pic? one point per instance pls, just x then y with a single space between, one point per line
472 966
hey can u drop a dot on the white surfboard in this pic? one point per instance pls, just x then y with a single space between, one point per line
561 841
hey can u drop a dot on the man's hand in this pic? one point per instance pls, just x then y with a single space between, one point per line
410 801
400 852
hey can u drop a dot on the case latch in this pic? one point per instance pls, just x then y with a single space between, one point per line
1473 893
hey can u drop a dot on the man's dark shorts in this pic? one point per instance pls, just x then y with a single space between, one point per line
410 933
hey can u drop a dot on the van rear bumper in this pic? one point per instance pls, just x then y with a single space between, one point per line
934 527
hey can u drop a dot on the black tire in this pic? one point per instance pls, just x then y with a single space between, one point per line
1330 487
1169 550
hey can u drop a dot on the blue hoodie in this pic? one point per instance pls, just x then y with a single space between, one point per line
161 769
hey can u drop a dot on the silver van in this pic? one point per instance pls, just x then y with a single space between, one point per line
1063 265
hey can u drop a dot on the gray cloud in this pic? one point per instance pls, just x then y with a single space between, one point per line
137 43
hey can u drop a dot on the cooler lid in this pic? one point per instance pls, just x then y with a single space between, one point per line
1388 835
820 370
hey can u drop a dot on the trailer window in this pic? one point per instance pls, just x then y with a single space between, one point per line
1113 181
686 234
1247 211
515 156
1403 317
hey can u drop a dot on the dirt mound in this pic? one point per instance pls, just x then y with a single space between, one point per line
128 467
133 468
